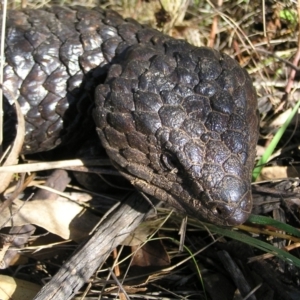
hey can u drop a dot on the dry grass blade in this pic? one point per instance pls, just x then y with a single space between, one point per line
13 155
41 166
2 43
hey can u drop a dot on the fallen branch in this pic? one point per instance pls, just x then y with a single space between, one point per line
81 266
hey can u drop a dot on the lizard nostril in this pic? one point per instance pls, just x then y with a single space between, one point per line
219 211
169 162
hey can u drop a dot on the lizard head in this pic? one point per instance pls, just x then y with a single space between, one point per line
180 123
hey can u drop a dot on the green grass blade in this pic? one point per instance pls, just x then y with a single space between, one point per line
261 220
246 238
269 151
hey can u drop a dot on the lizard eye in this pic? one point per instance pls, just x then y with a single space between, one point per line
169 162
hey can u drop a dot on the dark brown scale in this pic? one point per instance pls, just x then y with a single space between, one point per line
178 121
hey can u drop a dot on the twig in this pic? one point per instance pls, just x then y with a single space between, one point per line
296 58
214 27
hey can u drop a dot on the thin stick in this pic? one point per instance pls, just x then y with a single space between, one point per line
2 59
296 58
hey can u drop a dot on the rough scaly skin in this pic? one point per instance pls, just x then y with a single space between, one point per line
178 121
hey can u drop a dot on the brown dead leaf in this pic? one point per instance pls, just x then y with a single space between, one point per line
152 254
279 172
13 288
62 217
138 236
